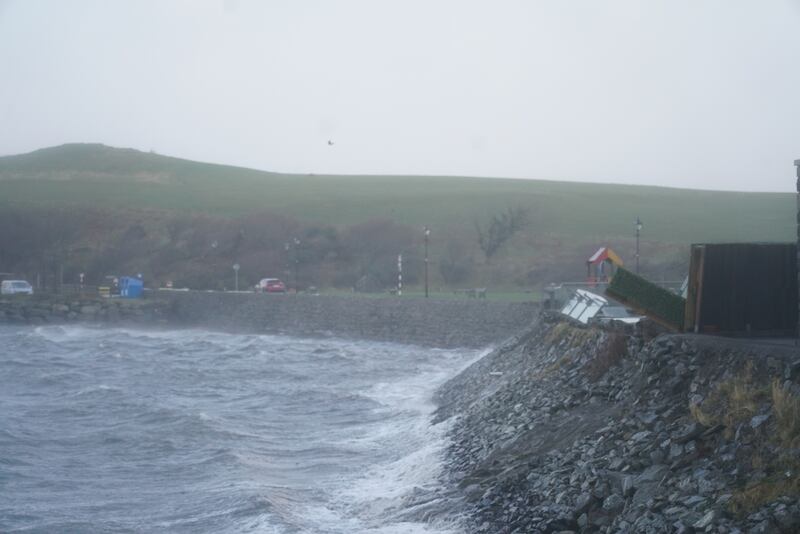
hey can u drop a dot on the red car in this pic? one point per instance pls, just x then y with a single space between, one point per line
270 285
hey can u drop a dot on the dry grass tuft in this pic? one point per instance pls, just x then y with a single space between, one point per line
735 401
786 408
573 336
557 333
742 403
732 402
785 481
556 365
582 337
700 416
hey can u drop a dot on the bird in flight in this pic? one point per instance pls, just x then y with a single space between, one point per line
330 143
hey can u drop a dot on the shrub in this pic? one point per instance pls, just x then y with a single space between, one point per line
732 402
755 495
500 229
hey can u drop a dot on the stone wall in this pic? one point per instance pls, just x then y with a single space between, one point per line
430 322
42 309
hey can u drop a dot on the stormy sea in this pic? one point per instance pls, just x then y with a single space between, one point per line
122 430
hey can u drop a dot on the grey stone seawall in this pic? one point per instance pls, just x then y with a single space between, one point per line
44 309
453 323
429 322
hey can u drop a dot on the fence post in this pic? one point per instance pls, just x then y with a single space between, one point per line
399 275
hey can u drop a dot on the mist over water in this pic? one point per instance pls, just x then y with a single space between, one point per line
118 430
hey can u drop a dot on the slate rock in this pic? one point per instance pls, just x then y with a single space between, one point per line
706 520
613 503
758 420
584 503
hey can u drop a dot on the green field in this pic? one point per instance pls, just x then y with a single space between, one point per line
568 221
101 176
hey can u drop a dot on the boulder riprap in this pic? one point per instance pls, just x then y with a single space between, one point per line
57 309
590 429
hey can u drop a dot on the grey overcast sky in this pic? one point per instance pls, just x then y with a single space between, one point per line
684 93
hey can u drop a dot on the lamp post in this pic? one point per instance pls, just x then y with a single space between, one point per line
427 236
236 275
288 271
638 229
296 264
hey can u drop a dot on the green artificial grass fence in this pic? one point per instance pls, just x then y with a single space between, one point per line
647 297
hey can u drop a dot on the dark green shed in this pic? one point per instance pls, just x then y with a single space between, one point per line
742 289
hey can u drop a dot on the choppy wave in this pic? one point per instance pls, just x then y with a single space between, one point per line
120 430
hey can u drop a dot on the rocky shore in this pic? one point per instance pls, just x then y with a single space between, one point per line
44 309
568 428
445 323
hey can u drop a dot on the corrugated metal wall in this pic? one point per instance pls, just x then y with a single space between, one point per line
743 288
797 164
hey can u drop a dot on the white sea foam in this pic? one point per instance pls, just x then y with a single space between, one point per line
60 334
375 500
335 435
97 389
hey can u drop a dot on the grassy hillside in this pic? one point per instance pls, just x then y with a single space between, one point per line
102 176
568 220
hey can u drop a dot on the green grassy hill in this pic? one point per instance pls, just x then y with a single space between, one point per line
97 175
568 220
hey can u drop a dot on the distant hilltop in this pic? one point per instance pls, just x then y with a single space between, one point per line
98 162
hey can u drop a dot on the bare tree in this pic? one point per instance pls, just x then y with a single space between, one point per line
500 229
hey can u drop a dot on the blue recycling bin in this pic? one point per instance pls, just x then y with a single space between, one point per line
130 287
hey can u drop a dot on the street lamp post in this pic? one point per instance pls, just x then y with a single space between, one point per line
296 264
236 276
638 229
427 236
288 270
